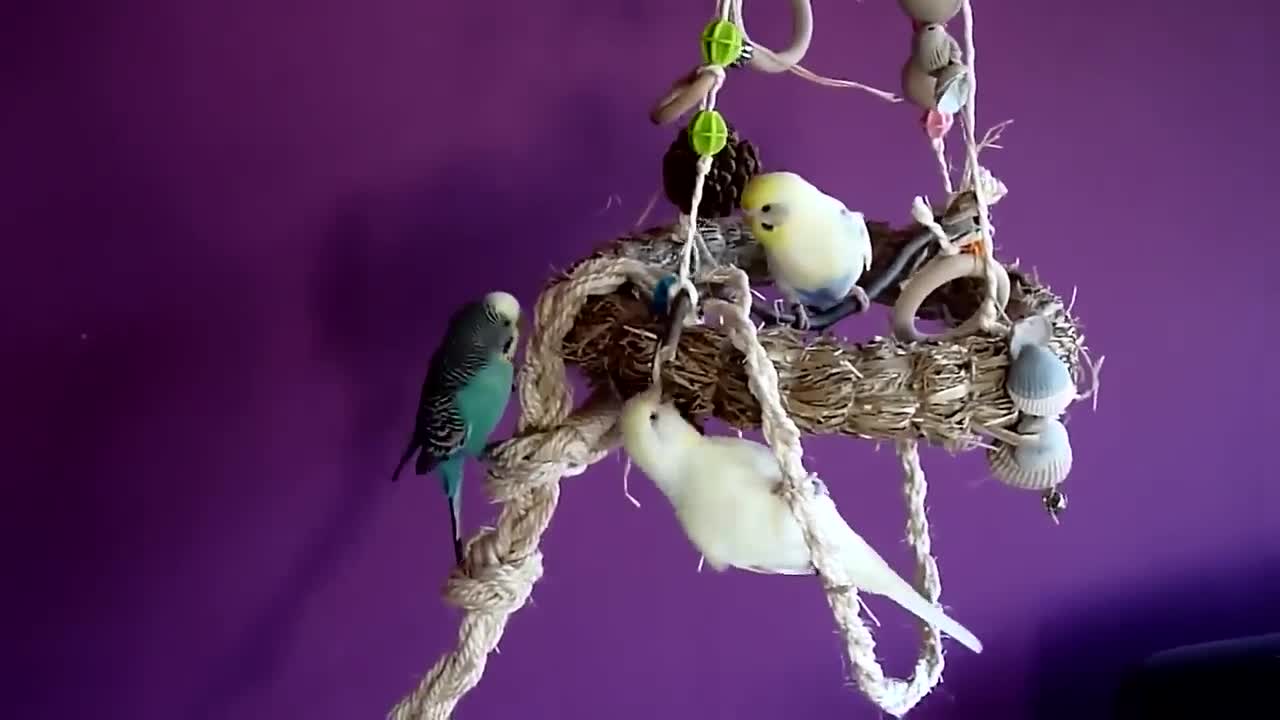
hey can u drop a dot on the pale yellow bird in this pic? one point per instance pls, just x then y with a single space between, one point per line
725 494
816 247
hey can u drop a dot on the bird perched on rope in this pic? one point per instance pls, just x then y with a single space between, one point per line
725 494
815 246
464 396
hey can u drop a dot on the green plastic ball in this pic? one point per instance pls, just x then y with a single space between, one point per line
721 43
708 132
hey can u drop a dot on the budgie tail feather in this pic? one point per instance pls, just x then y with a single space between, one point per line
455 522
404 459
451 480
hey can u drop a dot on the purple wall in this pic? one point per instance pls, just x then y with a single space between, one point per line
220 223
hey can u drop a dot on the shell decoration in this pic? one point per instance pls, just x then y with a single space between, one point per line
953 89
933 49
930 11
918 86
1040 462
1038 381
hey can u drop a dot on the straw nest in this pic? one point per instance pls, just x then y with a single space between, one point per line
938 391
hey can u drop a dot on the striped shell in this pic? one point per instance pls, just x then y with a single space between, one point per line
1039 383
953 88
1037 464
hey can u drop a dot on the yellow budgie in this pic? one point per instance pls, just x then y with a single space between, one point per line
816 247
725 494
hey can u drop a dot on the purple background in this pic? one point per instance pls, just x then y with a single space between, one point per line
232 233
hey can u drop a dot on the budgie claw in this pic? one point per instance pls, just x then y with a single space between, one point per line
819 487
864 301
802 317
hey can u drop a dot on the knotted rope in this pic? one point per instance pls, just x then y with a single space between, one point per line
503 563
894 696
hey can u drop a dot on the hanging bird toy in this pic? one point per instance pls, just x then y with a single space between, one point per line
666 326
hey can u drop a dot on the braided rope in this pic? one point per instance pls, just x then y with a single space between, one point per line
894 696
503 563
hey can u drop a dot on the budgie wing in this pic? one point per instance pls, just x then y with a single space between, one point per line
758 465
459 357
440 426
758 461
859 235
440 431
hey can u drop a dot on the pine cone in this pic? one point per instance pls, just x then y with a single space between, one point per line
731 168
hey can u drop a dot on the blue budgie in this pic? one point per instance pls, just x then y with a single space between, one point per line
465 394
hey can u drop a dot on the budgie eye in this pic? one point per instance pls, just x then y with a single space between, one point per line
766 208
653 416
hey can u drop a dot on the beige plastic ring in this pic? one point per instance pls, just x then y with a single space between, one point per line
940 271
779 61
688 91
684 96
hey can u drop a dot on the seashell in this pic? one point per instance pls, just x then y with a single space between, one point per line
918 86
930 11
1041 461
952 90
1039 382
1032 330
933 49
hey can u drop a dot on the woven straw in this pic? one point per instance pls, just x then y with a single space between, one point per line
937 391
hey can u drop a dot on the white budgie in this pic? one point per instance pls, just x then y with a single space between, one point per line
816 247
725 494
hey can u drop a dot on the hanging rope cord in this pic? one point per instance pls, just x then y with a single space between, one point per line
503 563
894 696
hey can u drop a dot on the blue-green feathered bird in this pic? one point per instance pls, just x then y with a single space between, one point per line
464 396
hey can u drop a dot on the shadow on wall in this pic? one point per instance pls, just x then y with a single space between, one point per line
1084 656
390 269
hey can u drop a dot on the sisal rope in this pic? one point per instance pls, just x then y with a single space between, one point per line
503 563
974 178
893 696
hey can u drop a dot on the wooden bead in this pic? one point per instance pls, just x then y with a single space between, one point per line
930 11
933 49
918 86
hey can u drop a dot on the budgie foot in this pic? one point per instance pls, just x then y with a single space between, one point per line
802 317
819 487
864 301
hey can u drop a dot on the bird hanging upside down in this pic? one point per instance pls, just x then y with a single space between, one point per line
725 492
